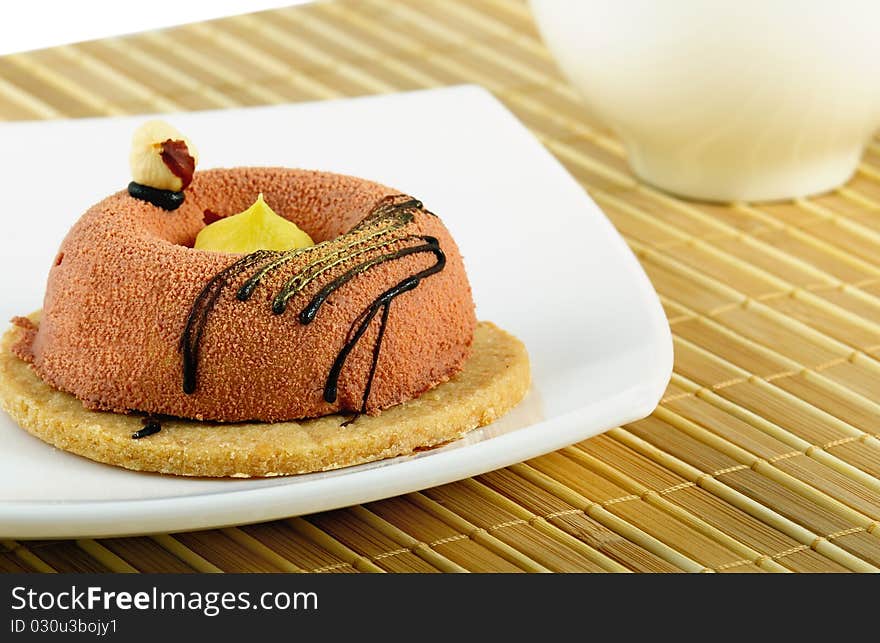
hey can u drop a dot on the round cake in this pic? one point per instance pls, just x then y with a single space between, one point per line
136 319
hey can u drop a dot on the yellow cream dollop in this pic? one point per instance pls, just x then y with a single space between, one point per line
257 228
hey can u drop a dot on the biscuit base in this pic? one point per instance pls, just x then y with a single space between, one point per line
494 379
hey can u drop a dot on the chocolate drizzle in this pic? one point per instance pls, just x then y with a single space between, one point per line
151 427
382 302
383 231
190 341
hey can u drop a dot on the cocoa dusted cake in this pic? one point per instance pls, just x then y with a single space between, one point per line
254 321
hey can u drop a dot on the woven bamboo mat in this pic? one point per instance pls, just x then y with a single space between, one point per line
764 455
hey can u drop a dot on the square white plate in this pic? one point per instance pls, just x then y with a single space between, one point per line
544 262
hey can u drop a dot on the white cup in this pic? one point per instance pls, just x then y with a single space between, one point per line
727 100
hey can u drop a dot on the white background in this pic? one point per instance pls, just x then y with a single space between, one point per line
34 24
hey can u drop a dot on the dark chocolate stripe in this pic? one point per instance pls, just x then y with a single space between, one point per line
190 340
151 427
308 313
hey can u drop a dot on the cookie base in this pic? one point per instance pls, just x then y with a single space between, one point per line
494 379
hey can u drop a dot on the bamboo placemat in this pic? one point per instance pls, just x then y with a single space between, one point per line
764 454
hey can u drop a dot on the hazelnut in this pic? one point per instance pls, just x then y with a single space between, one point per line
161 157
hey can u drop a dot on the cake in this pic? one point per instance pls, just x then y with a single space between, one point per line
139 323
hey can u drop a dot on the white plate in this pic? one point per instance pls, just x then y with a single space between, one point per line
544 262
